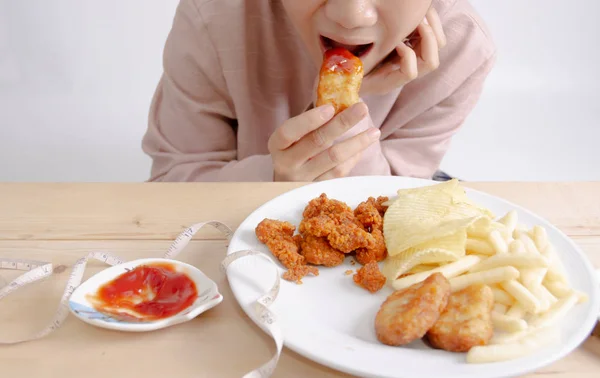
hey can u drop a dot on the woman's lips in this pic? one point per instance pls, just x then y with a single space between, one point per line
358 50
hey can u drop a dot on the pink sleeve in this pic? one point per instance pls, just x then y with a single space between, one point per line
191 126
417 148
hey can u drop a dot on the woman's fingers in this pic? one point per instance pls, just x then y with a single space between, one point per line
335 159
295 128
427 50
341 170
323 137
434 21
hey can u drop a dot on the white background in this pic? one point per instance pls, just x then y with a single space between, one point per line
73 72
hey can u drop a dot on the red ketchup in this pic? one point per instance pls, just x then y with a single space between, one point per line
152 292
341 60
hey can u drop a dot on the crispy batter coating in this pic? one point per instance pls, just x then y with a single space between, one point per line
324 205
466 322
279 238
348 237
320 225
379 204
370 277
317 251
375 251
298 272
367 213
407 315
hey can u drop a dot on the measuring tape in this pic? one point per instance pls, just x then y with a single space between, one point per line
38 270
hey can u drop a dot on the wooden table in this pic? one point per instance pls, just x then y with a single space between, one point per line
62 222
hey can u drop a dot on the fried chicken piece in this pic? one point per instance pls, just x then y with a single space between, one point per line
378 203
348 237
369 277
466 322
375 251
368 215
296 273
320 225
317 251
279 238
324 205
407 314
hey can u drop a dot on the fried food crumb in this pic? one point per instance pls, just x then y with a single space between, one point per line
466 322
295 274
352 262
406 315
348 272
370 278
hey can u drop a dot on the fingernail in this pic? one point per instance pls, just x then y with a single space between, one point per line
327 111
374 133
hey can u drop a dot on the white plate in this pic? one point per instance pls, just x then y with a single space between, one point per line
329 320
80 306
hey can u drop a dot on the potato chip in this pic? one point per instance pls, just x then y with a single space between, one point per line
442 250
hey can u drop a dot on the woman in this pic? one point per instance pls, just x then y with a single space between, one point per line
236 100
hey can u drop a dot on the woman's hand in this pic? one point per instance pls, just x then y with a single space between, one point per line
302 148
413 59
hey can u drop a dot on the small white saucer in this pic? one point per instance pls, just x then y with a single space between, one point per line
80 306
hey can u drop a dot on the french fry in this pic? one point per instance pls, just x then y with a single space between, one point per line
510 222
480 247
502 297
486 277
480 228
540 237
531 277
516 311
555 313
498 242
559 289
516 247
507 323
556 270
449 271
517 261
529 301
530 246
500 308
522 347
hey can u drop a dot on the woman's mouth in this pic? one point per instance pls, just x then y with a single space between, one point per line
356 50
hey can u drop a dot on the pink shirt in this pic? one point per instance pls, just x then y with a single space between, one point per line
235 70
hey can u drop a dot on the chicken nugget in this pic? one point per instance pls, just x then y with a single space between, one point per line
466 322
340 79
319 225
317 251
407 314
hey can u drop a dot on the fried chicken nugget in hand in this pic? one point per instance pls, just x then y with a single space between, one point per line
407 314
466 322
340 79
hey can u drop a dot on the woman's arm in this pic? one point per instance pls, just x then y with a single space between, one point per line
191 127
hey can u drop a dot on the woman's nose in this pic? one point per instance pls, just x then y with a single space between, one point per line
351 14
